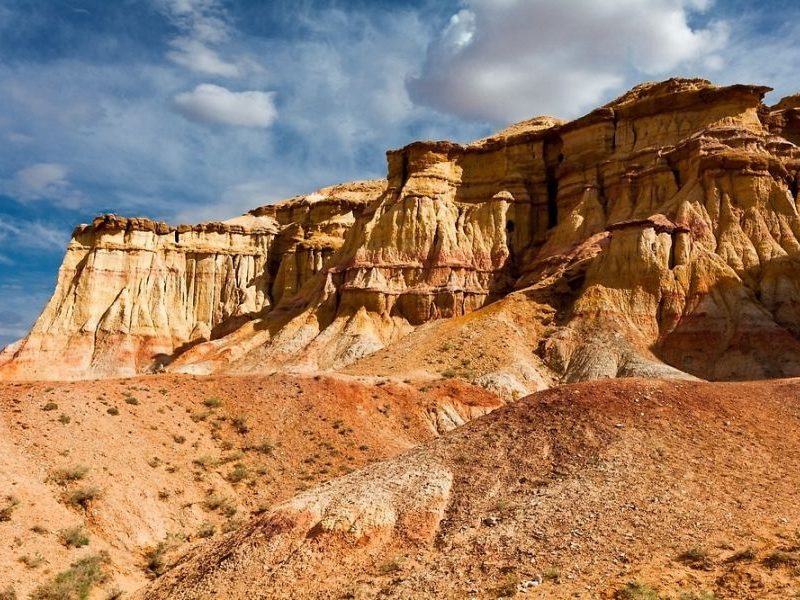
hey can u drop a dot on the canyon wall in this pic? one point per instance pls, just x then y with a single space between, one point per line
656 236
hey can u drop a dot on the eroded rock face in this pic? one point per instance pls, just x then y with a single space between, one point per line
656 236
133 292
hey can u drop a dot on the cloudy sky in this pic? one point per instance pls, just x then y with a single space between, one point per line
189 110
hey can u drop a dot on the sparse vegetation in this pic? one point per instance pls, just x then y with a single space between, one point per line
265 446
704 595
10 503
8 593
240 425
507 589
636 590
551 574
222 504
74 537
113 411
50 406
199 416
32 562
741 556
83 496
212 402
76 582
156 564
238 473
780 558
696 558
132 400
206 530
390 567
64 419
68 474
178 439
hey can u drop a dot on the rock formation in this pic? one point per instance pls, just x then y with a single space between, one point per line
658 236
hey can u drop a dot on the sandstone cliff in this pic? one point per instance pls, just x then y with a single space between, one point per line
132 292
656 236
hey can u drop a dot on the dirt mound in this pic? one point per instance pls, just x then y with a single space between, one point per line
594 490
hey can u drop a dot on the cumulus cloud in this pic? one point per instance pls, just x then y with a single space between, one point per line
511 59
216 104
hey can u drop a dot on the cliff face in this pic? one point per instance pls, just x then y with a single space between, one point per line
132 292
657 235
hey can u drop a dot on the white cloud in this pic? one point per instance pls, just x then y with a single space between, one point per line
43 179
203 24
216 104
32 234
197 56
502 60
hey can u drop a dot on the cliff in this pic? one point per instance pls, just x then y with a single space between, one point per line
656 236
132 292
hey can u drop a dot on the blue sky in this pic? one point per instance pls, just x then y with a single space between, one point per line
189 110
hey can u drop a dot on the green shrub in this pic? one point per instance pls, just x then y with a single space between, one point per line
212 402
132 401
50 406
238 473
113 411
206 530
74 537
75 583
551 574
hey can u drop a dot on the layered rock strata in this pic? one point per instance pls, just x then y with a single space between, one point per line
656 236
133 292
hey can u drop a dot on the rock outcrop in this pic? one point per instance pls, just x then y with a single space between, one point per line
658 236
133 292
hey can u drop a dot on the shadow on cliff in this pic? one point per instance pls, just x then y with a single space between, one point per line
741 329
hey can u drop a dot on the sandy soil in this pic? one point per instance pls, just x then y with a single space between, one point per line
611 489
178 459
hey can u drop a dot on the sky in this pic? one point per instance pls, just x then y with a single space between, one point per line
192 110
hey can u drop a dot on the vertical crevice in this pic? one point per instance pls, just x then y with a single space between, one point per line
177 237
552 159
601 190
793 186
404 169
671 260
614 134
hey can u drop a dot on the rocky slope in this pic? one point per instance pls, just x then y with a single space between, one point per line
630 489
144 468
656 236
